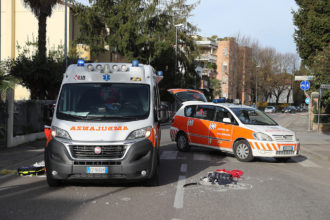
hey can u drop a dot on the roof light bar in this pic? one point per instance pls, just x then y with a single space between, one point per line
124 68
99 67
90 67
81 63
159 73
135 63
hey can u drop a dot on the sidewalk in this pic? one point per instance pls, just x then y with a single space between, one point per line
22 155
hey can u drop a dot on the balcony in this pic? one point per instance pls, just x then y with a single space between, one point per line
207 57
206 43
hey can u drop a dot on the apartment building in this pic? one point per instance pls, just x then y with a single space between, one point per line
19 25
207 59
234 69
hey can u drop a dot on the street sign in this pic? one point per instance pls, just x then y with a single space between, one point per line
305 85
302 78
325 86
307 100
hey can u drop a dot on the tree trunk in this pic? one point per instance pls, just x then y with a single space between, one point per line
42 37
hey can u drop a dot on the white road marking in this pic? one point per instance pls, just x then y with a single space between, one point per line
231 159
305 163
168 155
183 168
201 156
178 200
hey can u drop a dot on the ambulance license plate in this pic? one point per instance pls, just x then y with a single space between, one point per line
97 170
287 147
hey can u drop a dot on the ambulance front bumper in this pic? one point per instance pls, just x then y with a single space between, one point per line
137 163
274 149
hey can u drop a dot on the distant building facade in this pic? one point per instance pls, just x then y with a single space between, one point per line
234 70
19 25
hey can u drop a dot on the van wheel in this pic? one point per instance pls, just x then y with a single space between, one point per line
182 142
242 151
154 180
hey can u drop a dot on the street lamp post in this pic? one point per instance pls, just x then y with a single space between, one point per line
65 34
176 47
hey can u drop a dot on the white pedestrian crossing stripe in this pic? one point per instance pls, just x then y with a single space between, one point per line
305 163
198 156
169 155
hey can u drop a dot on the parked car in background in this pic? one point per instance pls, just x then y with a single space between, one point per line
270 109
289 109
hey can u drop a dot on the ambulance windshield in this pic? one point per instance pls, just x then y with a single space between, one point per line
103 101
253 116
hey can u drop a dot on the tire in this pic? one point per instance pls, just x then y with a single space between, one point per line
50 179
154 180
182 142
283 159
242 151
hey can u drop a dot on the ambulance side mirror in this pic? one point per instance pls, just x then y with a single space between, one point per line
226 120
163 113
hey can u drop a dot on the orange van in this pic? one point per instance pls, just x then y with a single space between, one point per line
239 129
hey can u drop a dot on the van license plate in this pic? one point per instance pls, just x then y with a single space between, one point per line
97 169
287 147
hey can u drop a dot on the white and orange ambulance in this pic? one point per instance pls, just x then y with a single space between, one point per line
106 124
239 129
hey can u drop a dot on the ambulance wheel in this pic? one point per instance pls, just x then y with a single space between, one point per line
154 180
242 151
182 142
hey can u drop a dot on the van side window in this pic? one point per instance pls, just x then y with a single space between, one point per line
222 113
189 110
205 112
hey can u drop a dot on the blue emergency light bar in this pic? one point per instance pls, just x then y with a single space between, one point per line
221 100
159 73
135 63
81 63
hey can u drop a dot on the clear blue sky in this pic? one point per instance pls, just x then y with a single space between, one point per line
268 21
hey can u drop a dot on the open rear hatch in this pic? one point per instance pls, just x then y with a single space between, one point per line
184 95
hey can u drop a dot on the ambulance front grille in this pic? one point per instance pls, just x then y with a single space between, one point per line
283 137
88 152
285 152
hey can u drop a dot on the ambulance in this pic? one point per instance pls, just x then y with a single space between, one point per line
106 124
242 130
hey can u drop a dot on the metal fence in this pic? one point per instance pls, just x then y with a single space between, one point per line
30 116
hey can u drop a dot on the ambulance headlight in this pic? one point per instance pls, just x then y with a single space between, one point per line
90 67
58 132
262 137
140 133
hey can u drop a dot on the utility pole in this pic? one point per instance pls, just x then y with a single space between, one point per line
176 48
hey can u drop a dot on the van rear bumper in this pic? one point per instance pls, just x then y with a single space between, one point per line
141 156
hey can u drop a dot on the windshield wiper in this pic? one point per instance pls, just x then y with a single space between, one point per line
104 117
69 116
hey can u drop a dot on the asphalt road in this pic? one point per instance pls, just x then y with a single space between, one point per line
298 189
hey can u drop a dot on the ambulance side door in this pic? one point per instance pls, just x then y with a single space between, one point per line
222 132
199 124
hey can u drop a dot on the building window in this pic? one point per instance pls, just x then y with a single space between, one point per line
223 80
224 67
224 51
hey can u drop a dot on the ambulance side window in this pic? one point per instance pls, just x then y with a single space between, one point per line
205 112
189 111
222 113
